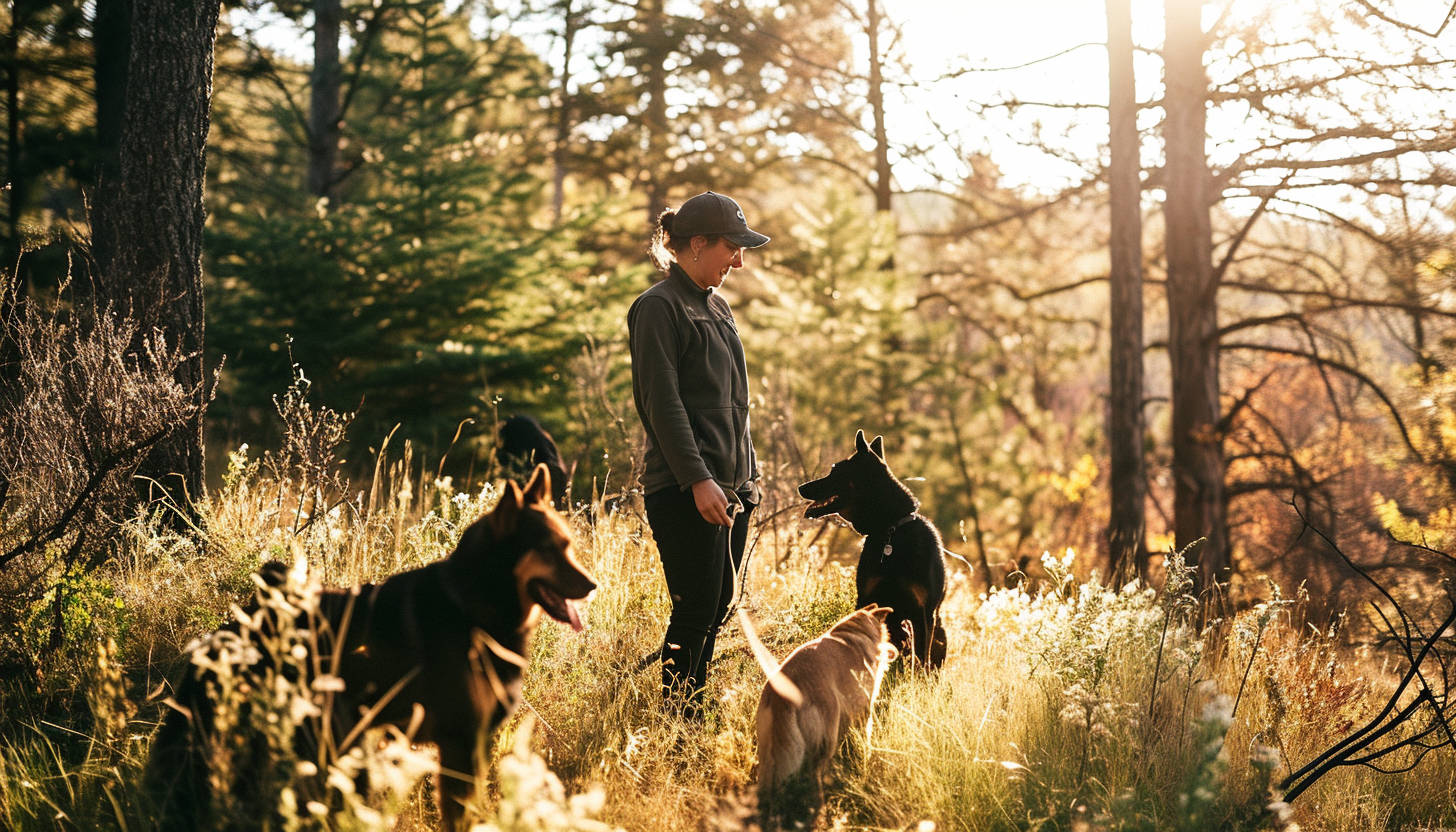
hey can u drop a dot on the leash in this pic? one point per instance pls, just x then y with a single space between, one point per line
741 576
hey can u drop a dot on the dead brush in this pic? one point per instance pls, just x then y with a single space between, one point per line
311 439
297 500
80 409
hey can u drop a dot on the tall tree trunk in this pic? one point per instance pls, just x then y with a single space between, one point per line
147 224
1126 480
112 39
877 107
564 108
323 111
13 283
654 22
1198 464
15 183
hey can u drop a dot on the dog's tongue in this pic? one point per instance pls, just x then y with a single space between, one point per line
573 618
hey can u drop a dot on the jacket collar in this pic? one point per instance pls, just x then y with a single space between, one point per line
686 283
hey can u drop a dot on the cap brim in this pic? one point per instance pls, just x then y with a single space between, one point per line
747 239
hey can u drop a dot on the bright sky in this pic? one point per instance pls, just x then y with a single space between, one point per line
987 34
1058 45
958 35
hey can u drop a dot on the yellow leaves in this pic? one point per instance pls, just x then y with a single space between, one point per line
1437 532
1447 430
1442 262
1162 542
1074 486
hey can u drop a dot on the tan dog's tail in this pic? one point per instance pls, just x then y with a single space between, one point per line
776 680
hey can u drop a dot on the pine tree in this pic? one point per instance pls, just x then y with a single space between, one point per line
432 287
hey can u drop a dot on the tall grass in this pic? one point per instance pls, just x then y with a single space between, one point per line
1076 705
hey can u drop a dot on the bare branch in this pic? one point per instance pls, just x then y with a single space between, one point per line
94 482
1023 212
1015 292
1346 369
1450 15
976 70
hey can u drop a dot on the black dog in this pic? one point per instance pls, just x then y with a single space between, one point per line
901 566
441 648
524 444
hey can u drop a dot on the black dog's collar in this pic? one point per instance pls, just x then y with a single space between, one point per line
890 536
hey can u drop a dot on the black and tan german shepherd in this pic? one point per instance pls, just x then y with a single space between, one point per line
447 640
901 565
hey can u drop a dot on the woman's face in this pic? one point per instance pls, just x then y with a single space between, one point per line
714 261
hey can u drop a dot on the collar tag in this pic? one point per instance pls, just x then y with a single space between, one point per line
889 539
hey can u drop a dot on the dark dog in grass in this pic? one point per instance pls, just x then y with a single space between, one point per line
439 649
523 445
824 689
902 565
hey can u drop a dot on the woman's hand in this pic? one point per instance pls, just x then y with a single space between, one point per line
712 502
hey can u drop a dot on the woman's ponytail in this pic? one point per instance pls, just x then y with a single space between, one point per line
659 247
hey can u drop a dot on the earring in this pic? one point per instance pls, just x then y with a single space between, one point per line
695 257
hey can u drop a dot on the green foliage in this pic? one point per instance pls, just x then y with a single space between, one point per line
82 771
54 157
691 96
432 287
986 406
839 295
78 607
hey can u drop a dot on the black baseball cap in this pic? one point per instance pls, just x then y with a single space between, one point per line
709 214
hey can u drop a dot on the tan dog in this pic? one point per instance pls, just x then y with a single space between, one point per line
808 706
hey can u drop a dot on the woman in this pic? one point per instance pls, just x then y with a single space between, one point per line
690 384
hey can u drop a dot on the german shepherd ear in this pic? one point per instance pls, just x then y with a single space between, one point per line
877 447
507 510
859 442
538 488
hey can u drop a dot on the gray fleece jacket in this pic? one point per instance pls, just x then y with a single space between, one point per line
690 384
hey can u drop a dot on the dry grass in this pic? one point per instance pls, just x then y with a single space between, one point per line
1040 718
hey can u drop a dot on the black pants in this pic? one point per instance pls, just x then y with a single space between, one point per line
699 561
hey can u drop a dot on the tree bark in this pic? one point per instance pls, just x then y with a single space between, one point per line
654 22
560 151
877 107
112 39
324 101
147 223
1198 463
15 180
1126 479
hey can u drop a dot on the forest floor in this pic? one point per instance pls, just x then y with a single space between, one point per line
1070 705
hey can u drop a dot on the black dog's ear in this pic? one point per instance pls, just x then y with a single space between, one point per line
538 488
860 443
877 447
